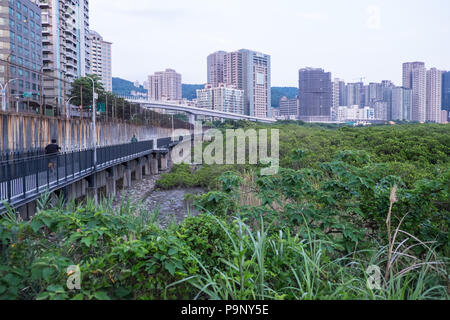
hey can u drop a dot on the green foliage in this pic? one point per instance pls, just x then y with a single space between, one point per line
124 87
183 176
82 87
316 227
280 92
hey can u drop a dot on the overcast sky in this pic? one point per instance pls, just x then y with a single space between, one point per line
350 38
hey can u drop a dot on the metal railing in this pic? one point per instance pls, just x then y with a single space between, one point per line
25 179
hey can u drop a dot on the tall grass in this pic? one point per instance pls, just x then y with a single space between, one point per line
313 275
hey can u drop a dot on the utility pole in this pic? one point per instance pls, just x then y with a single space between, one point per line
4 90
94 127
68 111
41 90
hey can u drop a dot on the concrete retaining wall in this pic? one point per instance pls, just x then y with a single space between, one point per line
23 132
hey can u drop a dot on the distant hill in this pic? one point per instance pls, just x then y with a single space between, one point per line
190 93
190 90
280 92
124 87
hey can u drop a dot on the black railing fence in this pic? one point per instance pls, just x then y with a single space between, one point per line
23 179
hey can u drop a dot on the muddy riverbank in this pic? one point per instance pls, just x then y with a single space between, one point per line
170 204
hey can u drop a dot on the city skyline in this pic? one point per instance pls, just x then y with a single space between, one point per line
361 34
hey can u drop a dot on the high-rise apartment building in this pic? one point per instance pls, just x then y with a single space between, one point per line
338 84
355 93
165 86
222 98
216 68
415 78
446 91
249 71
289 107
434 95
232 70
315 94
387 87
374 93
401 104
381 110
342 93
65 42
20 53
101 61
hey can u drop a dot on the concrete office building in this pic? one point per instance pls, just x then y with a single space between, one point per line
222 98
101 61
401 104
446 91
289 107
315 94
415 78
434 95
20 53
215 67
165 86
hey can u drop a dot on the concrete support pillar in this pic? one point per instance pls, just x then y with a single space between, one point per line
164 159
169 159
93 194
127 176
23 212
92 190
139 164
147 166
111 186
31 207
154 164
192 119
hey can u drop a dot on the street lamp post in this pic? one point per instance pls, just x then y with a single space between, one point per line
68 107
94 128
4 89
17 103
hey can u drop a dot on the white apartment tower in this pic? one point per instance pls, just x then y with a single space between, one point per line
336 93
434 95
101 61
65 44
222 98
415 78
165 86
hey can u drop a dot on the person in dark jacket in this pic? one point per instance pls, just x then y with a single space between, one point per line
51 151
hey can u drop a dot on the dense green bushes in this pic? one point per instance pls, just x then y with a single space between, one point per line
206 257
310 233
183 176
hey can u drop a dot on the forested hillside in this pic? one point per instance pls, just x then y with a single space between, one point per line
280 92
